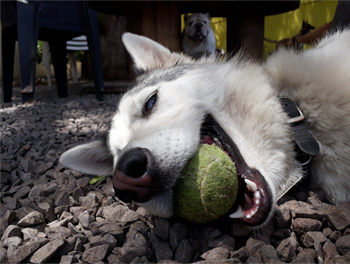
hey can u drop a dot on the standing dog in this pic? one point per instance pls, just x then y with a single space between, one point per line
159 124
198 38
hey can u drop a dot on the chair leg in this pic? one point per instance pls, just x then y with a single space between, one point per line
9 36
46 61
73 63
94 49
27 43
58 54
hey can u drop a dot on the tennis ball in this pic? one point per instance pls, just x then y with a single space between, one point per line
208 186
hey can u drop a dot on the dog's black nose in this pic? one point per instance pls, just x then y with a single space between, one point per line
133 163
131 179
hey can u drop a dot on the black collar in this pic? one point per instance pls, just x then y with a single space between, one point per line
306 145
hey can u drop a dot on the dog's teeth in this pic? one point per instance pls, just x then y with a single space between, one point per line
217 141
257 195
251 185
238 214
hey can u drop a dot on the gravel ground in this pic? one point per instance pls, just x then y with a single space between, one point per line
50 214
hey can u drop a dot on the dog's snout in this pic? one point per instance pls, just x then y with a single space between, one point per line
131 179
198 26
133 163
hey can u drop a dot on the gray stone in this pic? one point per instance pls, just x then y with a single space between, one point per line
307 252
163 251
61 198
29 233
8 217
58 223
66 215
89 201
286 250
177 232
66 248
224 241
184 252
337 218
268 254
113 229
327 232
329 251
130 216
343 244
303 225
282 216
110 239
33 218
218 253
114 212
306 259
11 203
253 246
135 239
11 231
22 192
83 182
342 259
129 253
242 254
47 251
310 237
85 219
3 254
57 232
161 228
68 260
41 169
78 192
77 210
335 235
319 251
21 253
96 253
14 241
47 209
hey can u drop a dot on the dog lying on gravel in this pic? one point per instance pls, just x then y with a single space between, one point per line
263 116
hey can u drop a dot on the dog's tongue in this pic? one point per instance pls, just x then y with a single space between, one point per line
207 140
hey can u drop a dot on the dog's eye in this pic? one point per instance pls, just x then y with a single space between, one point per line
151 101
205 22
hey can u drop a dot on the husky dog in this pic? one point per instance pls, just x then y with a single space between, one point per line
198 38
179 103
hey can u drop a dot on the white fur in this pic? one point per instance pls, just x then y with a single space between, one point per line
242 96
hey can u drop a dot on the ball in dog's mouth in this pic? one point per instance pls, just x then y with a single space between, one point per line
208 185
254 199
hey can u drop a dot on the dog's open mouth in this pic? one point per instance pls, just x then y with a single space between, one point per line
254 198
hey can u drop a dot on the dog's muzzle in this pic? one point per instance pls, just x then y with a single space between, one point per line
199 33
132 179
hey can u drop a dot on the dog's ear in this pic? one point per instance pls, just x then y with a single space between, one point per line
91 158
146 53
208 15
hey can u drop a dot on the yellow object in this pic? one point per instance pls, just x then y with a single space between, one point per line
288 24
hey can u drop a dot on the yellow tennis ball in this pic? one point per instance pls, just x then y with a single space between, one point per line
208 186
